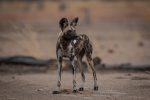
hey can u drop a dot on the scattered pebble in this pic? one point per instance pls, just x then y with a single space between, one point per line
140 44
111 51
13 77
39 90
129 74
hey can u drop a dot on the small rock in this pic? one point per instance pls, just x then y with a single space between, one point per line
39 89
111 51
129 74
140 44
13 77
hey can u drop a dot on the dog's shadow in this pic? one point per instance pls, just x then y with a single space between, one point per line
70 91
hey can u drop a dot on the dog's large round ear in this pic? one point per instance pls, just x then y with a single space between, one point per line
74 22
63 23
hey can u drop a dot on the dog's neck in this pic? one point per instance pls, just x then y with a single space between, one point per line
65 41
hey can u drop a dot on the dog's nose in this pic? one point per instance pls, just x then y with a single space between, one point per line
69 31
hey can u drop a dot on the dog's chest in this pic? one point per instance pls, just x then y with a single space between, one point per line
69 50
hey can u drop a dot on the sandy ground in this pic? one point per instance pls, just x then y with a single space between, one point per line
112 86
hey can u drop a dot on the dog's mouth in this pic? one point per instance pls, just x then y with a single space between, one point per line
69 35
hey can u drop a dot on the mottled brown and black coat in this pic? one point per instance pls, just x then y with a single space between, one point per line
73 46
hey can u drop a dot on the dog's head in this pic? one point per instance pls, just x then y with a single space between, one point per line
68 28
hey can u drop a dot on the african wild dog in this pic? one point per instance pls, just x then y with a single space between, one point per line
73 46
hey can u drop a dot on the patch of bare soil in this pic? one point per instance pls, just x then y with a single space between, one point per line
112 86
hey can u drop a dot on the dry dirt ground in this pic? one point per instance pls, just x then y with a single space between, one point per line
112 86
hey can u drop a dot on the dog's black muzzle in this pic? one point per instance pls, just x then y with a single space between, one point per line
70 35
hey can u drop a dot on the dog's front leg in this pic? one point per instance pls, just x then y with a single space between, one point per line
74 73
59 72
59 62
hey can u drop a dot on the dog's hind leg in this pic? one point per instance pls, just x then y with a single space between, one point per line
79 61
90 61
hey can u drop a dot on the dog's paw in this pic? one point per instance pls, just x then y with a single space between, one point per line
56 92
74 91
81 89
95 88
